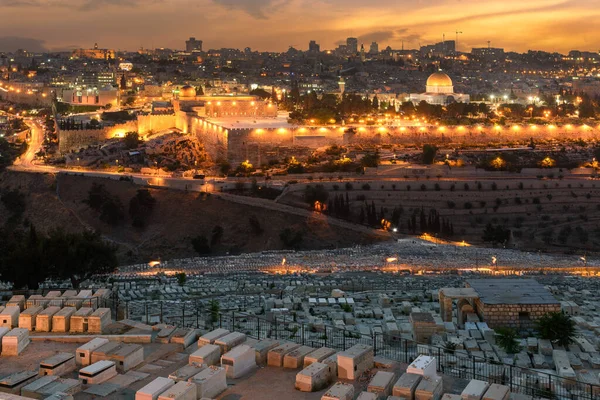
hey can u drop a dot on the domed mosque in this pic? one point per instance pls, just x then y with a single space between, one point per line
187 91
439 90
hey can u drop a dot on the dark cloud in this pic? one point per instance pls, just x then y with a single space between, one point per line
82 5
13 43
379 36
260 9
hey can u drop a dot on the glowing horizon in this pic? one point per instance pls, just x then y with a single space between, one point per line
274 25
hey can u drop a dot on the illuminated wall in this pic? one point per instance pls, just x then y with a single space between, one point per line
75 140
155 123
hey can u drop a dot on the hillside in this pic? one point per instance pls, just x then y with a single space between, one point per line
57 202
547 214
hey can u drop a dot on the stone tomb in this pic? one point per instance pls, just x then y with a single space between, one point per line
152 390
98 372
58 364
79 320
313 378
83 354
125 355
450 396
211 336
382 384
474 390
184 336
406 386
43 322
182 390
430 388
17 301
3 331
187 371
239 361
229 341
208 354
14 382
354 361
339 391
423 365
276 355
98 321
61 321
211 382
47 386
368 396
9 317
295 358
497 392
15 341
261 349
318 355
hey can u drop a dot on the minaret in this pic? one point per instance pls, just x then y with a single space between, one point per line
342 84
363 58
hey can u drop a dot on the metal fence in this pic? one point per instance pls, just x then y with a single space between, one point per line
536 383
526 381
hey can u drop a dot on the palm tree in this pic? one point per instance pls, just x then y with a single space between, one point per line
507 339
557 327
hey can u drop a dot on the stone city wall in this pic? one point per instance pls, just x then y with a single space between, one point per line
32 99
155 123
73 140
213 137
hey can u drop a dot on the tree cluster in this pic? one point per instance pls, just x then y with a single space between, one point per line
28 258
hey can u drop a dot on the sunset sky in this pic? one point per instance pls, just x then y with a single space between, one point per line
274 25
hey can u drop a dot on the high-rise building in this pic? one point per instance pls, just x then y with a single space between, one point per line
193 45
352 45
374 49
313 47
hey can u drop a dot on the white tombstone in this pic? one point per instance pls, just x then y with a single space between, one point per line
354 361
382 384
98 372
239 361
367 396
295 358
430 388
497 392
313 378
15 341
276 355
152 390
182 390
261 349
9 317
211 336
83 354
423 365
59 364
339 391
229 341
211 382
61 321
406 385
318 355
208 354
187 371
474 390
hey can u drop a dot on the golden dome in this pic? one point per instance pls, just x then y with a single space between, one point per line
439 79
187 91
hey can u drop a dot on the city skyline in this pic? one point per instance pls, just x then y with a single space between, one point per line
554 25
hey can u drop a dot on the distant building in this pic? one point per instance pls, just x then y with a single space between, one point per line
439 90
439 49
91 96
374 49
95 53
313 47
352 46
488 52
193 45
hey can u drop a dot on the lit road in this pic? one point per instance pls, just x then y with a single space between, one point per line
35 142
